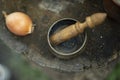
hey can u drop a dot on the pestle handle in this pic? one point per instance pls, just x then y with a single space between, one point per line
77 28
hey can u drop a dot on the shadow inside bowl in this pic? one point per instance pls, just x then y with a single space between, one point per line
71 46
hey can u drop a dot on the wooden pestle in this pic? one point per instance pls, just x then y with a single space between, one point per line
77 28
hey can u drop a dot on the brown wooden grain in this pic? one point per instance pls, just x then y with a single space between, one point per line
77 28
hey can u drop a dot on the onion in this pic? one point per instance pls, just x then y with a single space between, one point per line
19 23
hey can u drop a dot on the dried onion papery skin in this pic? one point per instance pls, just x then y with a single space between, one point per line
19 23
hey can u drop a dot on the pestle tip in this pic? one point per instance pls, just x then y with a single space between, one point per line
96 19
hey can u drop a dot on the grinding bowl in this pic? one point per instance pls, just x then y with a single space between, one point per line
102 43
71 47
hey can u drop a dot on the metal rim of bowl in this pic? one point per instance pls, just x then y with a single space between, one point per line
61 53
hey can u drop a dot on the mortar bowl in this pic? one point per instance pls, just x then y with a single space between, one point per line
71 47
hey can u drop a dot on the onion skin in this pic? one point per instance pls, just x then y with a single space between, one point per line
19 23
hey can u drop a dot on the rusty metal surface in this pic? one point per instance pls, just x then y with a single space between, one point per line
101 43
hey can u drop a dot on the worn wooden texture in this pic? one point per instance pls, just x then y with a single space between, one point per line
77 28
100 55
